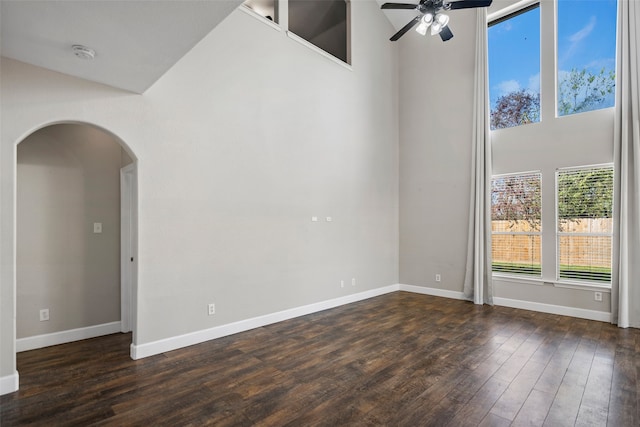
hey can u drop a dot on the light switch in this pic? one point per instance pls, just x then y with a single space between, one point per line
97 227
329 219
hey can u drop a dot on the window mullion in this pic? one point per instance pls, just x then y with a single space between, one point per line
283 14
548 59
549 248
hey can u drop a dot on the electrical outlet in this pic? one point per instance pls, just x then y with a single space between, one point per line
212 309
597 296
44 314
342 283
353 281
438 278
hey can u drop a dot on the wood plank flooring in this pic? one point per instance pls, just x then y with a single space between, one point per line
399 360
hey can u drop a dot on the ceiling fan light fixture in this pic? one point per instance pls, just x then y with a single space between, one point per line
425 21
431 16
443 19
422 28
439 23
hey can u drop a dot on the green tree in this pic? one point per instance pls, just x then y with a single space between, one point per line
515 108
578 91
582 90
585 194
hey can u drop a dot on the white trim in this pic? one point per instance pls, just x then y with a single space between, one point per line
529 280
562 310
433 291
584 286
510 9
536 281
508 174
128 244
62 337
9 383
315 48
180 341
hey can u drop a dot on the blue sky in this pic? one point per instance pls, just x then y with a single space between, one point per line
586 39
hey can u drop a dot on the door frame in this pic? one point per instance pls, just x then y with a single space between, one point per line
128 246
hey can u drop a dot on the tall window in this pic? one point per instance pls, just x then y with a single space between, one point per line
586 55
516 224
575 50
514 68
585 223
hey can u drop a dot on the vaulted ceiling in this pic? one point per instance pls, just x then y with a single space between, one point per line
135 42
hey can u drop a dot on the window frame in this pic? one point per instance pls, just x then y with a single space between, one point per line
576 140
556 65
517 9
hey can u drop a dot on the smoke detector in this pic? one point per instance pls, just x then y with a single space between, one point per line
83 52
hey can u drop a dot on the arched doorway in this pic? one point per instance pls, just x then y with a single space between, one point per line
71 283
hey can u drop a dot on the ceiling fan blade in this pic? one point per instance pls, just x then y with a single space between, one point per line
468 4
398 6
446 34
406 28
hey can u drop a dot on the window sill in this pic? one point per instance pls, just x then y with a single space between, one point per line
585 286
519 279
606 288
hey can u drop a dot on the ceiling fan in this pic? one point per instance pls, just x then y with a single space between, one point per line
431 15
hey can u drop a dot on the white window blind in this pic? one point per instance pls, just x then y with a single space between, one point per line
516 224
585 223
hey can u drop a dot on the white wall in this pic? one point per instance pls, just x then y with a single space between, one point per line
238 146
68 178
436 92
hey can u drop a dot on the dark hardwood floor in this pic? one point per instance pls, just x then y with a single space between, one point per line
400 360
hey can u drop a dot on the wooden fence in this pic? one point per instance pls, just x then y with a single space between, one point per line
574 250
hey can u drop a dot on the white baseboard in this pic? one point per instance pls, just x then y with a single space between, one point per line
9 384
433 291
181 341
174 343
562 310
580 313
55 338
